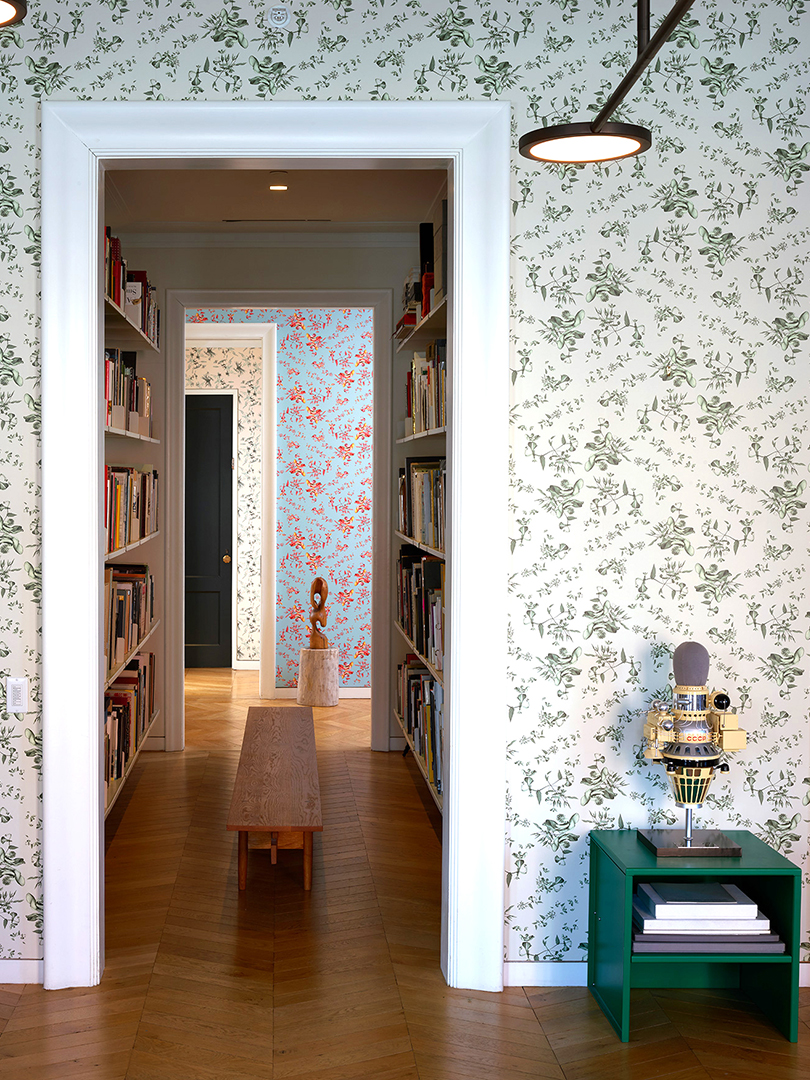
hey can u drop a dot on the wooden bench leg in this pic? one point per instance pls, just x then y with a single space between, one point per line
307 860
243 858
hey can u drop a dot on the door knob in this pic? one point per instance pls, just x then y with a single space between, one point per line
226 558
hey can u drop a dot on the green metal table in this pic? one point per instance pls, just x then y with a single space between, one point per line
619 861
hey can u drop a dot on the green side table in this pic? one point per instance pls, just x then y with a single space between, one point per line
619 861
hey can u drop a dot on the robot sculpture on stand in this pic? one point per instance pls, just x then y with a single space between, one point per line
689 739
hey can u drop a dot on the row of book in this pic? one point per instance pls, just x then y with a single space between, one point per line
709 917
421 500
129 704
426 389
127 396
130 290
420 704
130 504
129 609
420 602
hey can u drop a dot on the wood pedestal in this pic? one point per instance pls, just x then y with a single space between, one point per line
318 677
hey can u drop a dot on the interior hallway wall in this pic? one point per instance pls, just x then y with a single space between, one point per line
659 376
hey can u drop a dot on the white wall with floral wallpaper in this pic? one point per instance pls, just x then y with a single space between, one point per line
323 504
659 377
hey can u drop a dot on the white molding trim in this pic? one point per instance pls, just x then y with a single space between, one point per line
548 973
263 335
269 240
231 392
804 973
21 971
245 665
79 140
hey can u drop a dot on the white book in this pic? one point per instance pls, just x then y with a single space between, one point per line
696 900
681 924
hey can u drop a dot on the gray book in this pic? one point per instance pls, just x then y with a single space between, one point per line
696 900
718 938
749 947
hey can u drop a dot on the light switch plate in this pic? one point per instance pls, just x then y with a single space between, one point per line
16 695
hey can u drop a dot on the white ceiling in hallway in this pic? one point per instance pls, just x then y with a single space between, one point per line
239 200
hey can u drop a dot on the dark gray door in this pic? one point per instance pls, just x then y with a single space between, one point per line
209 492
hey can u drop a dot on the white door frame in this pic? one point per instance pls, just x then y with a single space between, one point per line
233 394
79 141
177 333
264 336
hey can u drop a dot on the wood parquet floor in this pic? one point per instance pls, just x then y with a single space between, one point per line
340 984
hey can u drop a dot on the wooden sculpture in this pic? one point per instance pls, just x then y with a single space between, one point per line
317 638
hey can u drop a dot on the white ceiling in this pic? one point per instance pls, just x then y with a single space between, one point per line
227 200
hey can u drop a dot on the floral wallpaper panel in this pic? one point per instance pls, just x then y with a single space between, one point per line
324 437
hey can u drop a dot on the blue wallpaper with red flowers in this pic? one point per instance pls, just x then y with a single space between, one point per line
324 478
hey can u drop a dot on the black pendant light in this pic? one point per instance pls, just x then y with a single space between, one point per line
11 12
599 139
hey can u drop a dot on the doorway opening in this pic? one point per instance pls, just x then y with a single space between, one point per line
80 141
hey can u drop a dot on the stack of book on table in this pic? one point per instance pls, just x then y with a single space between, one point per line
699 917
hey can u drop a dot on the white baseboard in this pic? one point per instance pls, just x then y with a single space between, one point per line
22 971
245 665
344 692
804 974
154 742
520 973
396 742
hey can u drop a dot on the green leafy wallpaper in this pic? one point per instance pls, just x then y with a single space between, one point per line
660 401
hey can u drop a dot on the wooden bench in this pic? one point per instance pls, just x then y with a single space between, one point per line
276 790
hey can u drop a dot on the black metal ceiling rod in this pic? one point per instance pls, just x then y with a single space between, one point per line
647 48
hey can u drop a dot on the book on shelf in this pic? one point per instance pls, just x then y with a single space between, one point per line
420 602
426 388
709 947
130 504
129 609
130 290
127 396
422 512
129 704
718 938
696 900
643 919
420 704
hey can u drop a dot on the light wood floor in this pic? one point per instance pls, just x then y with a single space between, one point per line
343 984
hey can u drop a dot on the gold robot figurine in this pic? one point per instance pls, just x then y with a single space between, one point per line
690 737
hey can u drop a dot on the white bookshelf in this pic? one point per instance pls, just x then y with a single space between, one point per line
429 443
131 449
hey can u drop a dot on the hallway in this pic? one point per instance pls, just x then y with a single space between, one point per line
343 983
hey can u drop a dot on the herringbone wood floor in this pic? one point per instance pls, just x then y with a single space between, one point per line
342 984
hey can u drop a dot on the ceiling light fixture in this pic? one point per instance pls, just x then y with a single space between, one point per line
11 12
599 140
278 180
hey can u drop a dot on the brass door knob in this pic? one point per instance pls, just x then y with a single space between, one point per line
226 558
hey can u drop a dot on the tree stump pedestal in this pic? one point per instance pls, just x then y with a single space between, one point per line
318 677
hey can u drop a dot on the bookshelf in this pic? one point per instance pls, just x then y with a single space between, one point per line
132 421
421 552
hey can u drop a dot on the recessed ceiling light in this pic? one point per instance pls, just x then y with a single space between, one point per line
278 180
11 12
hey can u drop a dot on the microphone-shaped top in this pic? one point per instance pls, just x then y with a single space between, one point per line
690 662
